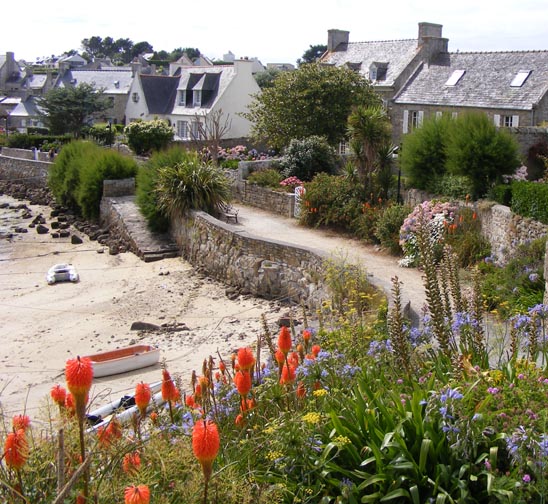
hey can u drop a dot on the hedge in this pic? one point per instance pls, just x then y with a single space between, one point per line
530 199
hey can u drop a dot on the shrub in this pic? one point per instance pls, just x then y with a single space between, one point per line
453 186
422 156
28 141
76 177
147 177
148 136
535 162
266 178
502 194
466 239
306 157
103 133
389 222
530 199
107 165
190 184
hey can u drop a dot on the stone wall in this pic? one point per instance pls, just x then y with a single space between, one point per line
261 267
506 230
26 171
122 187
25 154
260 197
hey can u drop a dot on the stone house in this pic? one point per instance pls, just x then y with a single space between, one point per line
192 95
510 87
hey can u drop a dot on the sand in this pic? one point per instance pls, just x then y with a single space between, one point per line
43 325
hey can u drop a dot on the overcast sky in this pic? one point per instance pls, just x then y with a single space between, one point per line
277 31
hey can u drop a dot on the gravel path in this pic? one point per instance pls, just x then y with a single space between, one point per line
380 267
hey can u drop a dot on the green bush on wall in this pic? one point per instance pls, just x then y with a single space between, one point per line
530 199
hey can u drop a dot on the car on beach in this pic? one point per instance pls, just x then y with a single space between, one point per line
62 273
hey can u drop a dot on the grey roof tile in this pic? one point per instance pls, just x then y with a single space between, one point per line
360 55
106 79
485 83
160 92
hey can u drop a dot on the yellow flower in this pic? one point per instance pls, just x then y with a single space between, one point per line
312 418
341 441
274 455
269 430
319 393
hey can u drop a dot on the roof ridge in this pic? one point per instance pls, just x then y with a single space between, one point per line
387 40
501 52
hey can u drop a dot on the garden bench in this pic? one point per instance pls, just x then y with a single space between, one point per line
228 212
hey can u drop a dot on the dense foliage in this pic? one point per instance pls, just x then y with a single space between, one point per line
42 142
313 100
69 109
121 51
312 54
304 158
77 175
269 177
145 137
530 199
469 146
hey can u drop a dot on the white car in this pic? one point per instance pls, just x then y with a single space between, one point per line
62 273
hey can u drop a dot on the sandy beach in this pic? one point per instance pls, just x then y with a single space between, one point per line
44 325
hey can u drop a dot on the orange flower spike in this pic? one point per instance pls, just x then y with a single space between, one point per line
169 390
20 422
474 216
190 402
69 403
307 335
280 357
316 349
58 394
242 380
301 391
240 420
288 375
154 418
218 376
131 463
143 395
246 360
205 444
79 376
233 360
80 499
293 359
16 449
139 494
284 340
222 367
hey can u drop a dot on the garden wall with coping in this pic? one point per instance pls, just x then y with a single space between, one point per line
257 266
277 202
23 169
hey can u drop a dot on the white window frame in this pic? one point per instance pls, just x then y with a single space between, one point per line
197 98
182 130
195 130
182 97
417 118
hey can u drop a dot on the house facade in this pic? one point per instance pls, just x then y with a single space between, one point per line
194 95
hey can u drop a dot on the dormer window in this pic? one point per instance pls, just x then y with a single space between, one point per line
378 71
520 78
455 78
182 97
117 84
197 97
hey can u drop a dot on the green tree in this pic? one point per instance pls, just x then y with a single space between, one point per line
69 109
312 54
147 136
305 157
480 151
423 154
369 129
265 79
312 100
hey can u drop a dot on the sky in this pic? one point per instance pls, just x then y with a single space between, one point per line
275 32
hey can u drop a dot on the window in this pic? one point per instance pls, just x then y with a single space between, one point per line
377 71
197 98
455 78
135 97
520 78
416 118
182 97
506 121
182 129
343 147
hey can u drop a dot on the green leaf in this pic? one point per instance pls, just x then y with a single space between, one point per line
395 494
426 446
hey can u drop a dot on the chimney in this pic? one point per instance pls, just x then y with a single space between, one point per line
429 30
336 37
244 65
135 68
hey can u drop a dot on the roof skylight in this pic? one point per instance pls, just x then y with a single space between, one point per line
455 77
520 78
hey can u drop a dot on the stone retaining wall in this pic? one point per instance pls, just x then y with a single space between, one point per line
505 230
121 187
264 268
25 154
26 171
260 197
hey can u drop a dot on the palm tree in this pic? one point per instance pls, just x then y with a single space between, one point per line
369 129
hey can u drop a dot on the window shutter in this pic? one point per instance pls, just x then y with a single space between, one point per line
496 119
438 114
421 117
515 121
454 115
405 121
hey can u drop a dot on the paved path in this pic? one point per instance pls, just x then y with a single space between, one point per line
380 267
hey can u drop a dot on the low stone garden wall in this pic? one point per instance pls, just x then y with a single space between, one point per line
25 171
260 197
264 268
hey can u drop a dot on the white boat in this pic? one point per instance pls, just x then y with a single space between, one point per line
123 360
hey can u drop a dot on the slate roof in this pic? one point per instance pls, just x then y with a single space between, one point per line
485 83
160 92
360 55
2 60
214 79
27 108
106 79
36 81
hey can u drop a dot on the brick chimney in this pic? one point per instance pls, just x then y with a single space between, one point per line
336 37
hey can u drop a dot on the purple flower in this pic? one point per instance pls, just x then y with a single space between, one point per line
526 478
493 390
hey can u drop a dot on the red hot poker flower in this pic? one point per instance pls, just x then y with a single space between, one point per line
16 449
58 394
143 394
316 350
307 335
280 357
107 435
288 375
301 390
79 375
20 422
246 360
205 444
139 494
284 340
169 390
131 463
242 380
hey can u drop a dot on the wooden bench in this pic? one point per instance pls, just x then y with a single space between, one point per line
228 212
